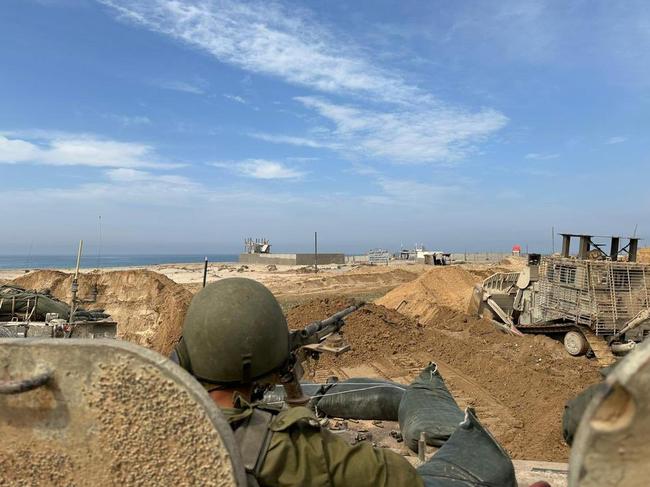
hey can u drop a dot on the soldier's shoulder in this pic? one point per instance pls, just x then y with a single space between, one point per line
293 416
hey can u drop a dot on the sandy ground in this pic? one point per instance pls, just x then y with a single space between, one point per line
420 315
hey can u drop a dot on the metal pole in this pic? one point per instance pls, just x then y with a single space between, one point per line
553 238
75 283
205 271
316 251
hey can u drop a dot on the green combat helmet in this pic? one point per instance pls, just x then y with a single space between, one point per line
234 333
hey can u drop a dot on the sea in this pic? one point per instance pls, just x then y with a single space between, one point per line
100 262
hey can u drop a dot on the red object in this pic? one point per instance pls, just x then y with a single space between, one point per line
541 483
516 248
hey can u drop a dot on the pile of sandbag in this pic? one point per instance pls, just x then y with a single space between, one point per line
358 398
469 456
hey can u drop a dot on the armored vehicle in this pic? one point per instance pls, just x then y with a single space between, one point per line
596 300
25 313
108 412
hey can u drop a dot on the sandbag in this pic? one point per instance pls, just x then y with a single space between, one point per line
470 458
362 398
428 406
574 410
276 396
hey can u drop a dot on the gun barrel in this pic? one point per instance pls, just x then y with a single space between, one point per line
317 326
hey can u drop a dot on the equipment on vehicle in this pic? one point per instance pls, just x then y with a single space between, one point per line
25 314
594 299
611 444
108 412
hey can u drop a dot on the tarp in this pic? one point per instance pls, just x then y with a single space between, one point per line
429 407
362 398
276 396
470 458
16 302
21 302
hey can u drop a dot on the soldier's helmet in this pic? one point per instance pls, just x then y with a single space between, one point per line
234 333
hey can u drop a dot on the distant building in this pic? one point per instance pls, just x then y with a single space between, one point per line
257 246
516 250
423 256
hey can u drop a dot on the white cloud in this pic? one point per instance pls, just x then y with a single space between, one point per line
265 37
195 88
261 169
129 120
268 38
59 149
235 98
413 135
616 140
128 175
16 150
414 192
289 139
541 157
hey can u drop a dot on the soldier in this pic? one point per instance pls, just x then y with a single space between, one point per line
236 338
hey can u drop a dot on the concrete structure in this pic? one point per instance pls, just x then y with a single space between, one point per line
479 256
357 259
291 259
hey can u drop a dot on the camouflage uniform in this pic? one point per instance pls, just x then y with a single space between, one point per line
298 452
235 333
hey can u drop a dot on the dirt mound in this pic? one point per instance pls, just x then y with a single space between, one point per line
643 255
448 287
514 263
372 331
148 307
518 385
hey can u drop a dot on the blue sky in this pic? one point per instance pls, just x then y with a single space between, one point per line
190 124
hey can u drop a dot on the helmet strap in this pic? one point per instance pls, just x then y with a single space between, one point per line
246 365
180 349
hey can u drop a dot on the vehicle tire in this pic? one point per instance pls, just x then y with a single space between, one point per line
575 343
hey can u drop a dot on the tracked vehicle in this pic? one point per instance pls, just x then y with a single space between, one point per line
25 314
596 301
29 314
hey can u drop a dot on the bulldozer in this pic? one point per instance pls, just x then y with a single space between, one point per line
596 301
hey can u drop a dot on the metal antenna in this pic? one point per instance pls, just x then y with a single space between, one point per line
99 248
75 283
635 229
315 251
205 270
553 238
29 254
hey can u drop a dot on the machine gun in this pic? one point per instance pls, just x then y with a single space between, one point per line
316 338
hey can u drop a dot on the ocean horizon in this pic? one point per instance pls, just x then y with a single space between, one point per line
100 262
